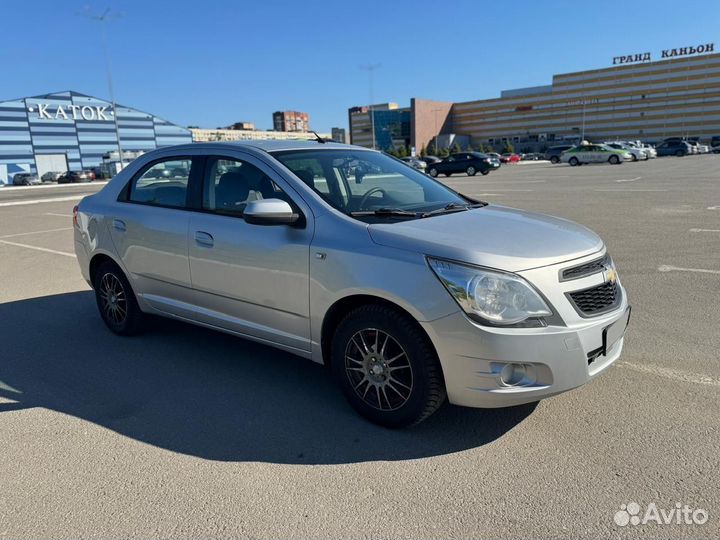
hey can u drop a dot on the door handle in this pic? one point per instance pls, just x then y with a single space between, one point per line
119 225
204 239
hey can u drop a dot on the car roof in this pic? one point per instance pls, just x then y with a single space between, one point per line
276 145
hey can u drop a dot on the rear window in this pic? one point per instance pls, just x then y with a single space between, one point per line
162 184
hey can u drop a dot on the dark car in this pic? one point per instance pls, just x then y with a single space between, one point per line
76 177
673 147
429 160
25 179
463 162
553 153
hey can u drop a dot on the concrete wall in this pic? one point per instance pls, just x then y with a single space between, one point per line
429 118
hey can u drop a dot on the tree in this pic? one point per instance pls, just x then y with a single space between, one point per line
508 148
423 151
489 149
469 148
481 148
403 151
456 148
444 152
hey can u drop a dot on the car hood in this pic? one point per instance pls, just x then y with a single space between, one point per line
492 236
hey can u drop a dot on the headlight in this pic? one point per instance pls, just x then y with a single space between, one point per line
491 297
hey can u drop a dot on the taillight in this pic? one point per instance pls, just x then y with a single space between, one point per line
75 214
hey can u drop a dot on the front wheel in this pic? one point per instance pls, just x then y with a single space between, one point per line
554 160
387 367
634 157
471 171
448 173
679 153
574 162
614 160
433 172
485 172
116 301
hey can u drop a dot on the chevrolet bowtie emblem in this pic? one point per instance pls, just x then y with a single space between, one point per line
610 275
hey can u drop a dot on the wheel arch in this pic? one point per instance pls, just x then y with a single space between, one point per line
337 312
100 257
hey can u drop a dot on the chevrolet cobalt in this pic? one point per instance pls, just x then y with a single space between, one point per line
408 291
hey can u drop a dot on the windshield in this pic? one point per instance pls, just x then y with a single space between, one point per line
362 182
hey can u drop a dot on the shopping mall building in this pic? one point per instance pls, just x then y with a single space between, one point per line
70 131
637 98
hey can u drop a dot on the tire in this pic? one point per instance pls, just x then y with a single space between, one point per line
574 161
448 174
679 153
365 342
485 172
554 160
433 172
471 171
634 157
116 301
614 160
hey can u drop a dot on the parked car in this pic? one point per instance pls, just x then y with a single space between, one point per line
637 153
487 305
675 147
76 177
509 158
554 152
715 141
649 150
51 176
25 179
531 156
429 160
414 162
594 153
470 163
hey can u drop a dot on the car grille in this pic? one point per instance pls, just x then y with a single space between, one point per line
586 269
596 300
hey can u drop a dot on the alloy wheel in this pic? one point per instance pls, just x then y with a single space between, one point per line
113 298
378 369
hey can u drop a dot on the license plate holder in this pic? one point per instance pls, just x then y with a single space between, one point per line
612 333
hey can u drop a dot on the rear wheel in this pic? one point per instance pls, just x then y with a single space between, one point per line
554 160
116 301
387 367
448 173
433 172
679 153
634 157
614 160
485 172
574 161
470 171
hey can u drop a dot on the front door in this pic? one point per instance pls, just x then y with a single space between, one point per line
250 279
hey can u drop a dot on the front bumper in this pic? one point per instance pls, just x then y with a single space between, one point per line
475 359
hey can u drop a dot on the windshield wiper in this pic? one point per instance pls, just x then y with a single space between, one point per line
389 212
452 207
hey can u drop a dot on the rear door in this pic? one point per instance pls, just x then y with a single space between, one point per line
149 228
247 278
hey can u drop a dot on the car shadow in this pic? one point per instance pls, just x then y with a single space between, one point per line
206 394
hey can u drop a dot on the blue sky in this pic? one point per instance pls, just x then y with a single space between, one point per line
215 62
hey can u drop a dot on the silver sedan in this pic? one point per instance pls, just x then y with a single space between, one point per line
408 291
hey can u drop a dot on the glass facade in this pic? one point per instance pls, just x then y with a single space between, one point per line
392 128
74 130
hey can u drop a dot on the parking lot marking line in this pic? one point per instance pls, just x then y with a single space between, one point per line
10 189
40 201
675 374
629 190
629 179
35 232
485 182
57 215
704 230
713 207
37 248
668 268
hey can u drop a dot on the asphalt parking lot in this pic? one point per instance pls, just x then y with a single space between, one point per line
183 432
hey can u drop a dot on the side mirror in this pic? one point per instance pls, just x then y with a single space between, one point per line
269 212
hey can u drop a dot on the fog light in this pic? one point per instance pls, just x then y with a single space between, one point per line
517 375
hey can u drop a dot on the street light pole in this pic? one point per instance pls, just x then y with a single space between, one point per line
370 68
107 15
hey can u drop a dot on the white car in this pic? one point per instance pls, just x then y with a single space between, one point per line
638 154
594 153
650 150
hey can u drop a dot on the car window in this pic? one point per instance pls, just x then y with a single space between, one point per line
229 184
163 184
352 180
